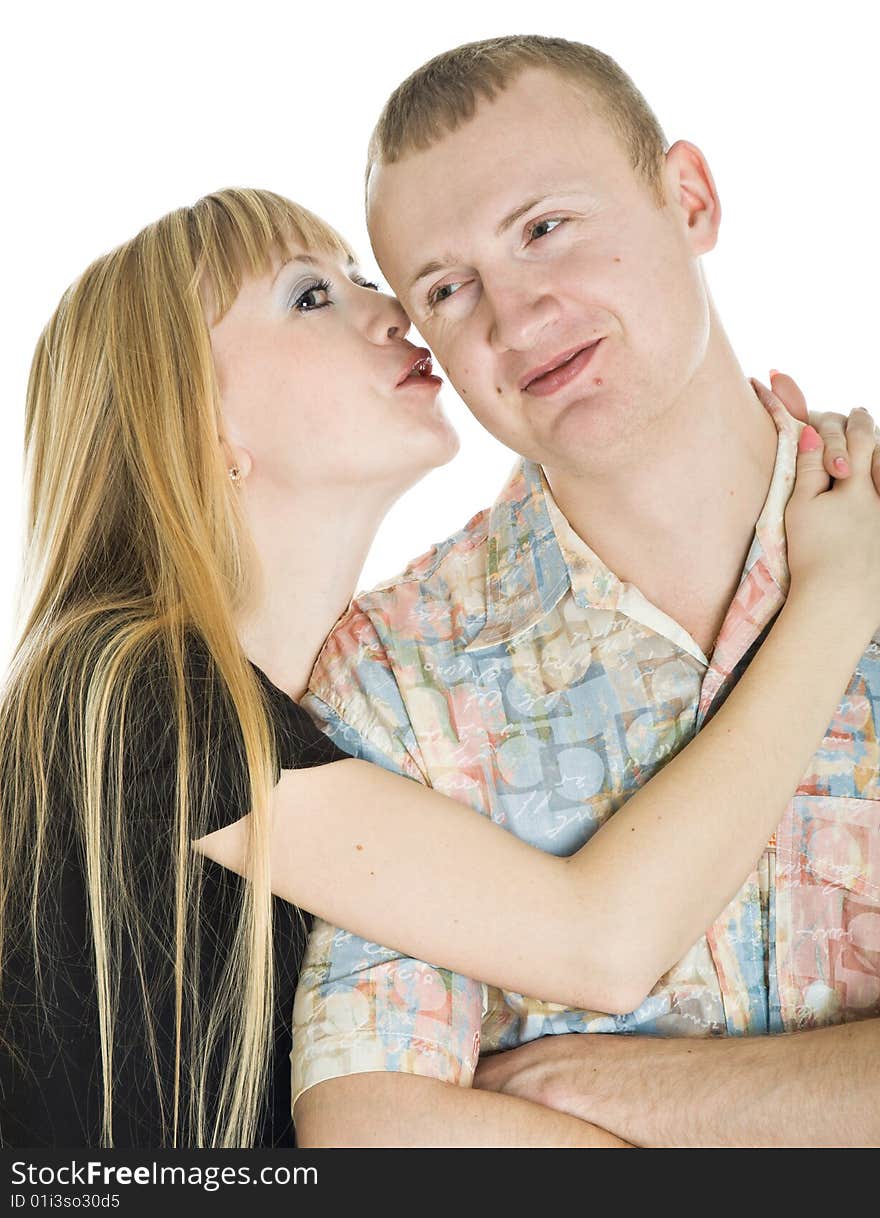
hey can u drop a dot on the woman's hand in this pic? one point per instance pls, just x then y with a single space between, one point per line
833 525
830 425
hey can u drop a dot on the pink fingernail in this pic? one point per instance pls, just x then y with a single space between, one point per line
810 440
841 465
774 372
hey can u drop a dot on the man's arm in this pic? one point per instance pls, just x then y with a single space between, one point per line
394 1110
816 1088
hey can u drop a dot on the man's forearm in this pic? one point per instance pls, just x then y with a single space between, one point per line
816 1088
386 1109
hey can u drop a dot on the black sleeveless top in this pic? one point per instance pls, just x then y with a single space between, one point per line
50 1060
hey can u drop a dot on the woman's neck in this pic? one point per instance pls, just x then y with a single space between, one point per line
308 566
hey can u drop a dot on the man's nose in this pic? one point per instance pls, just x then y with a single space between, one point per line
387 320
519 316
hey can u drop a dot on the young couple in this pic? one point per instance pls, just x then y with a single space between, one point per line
220 413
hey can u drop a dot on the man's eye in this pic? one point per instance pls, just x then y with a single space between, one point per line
314 296
542 227
438 295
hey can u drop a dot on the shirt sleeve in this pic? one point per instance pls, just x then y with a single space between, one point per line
361 1007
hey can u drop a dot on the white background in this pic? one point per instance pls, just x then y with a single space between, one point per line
116 113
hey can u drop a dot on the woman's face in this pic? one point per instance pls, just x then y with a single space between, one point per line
319 387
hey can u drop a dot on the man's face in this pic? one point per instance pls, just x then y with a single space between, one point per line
565 303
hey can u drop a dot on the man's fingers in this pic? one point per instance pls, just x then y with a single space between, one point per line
492 1073
789 392
812 477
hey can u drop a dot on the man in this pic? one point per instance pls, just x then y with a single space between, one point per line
544 663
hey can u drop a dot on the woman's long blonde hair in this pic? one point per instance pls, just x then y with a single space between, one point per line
134 546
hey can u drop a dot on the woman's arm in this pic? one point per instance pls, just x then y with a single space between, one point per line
406 867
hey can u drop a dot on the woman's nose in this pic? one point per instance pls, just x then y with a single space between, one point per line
389 322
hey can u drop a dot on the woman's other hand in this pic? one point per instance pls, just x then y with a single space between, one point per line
833 525
830 425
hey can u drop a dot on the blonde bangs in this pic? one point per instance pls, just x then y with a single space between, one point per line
240 232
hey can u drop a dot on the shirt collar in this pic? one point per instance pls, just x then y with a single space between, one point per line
770 528
534 555
526 573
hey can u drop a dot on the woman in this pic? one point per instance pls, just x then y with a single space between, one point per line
219 414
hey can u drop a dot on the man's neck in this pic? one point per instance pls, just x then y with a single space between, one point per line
678 520
307 570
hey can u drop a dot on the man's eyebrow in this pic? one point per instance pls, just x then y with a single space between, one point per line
430 268
518 213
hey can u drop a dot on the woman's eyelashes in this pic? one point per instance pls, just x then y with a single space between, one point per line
316 293
309 296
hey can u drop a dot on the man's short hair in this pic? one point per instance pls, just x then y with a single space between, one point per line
443 93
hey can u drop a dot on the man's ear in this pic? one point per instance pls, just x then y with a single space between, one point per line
691 188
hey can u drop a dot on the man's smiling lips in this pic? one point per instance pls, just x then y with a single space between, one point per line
561 370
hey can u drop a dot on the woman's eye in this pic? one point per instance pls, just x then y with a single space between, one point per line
365 283
542 227
313 296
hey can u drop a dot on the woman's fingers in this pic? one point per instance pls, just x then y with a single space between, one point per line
832 428
875 468
789 393
846 442
812 477
860 440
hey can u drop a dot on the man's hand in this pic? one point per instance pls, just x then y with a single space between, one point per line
815 1088
555 1070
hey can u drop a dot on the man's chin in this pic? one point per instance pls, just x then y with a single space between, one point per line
588 436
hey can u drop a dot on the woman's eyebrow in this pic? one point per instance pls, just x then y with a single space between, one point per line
307 258
351 263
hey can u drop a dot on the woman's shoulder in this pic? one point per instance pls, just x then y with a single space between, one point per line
173 700
301 743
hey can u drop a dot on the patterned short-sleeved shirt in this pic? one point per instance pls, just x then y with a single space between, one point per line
510 669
